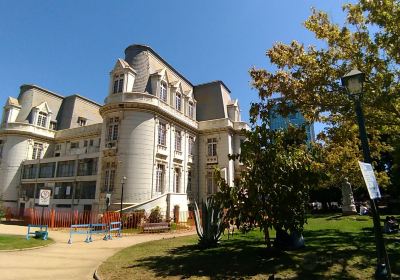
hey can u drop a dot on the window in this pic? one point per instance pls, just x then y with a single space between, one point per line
74 145
42 119
66 168
87 167
28 190
211 186
177 180
29 171
191 145
189 181
53 125
46 170
109 176
91 143
85 190
81 121
118 83
212 147
178 140
85 143
37 150
160 177
190 110
163 91
63 190
112 133
178 101
57 147
162 134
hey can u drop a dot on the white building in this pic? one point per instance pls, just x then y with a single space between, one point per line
157 129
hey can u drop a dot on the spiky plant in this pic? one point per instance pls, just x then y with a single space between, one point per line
209 225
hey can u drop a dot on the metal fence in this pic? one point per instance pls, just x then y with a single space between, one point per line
62 219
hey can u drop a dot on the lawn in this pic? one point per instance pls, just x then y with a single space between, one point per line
11 242
336 248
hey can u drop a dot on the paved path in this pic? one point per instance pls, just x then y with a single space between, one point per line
62 260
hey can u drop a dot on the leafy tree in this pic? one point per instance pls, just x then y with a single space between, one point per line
273 189
308 79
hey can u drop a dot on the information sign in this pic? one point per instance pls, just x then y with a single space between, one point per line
370 180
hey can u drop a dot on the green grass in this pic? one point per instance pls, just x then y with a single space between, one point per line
336 248
11 242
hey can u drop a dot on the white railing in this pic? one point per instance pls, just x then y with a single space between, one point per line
27 127
212 159
148 99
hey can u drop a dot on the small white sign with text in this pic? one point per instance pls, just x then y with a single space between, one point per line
370 180
44 197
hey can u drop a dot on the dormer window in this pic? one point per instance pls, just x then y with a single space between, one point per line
81 121
178 101
163 91
190 110
42 119
118 83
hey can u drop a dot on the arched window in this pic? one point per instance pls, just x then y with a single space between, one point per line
163 91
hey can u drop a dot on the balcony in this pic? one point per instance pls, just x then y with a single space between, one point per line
178 155
146 100
212 159
110 148
162 150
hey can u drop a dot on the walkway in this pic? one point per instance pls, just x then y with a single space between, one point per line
62 260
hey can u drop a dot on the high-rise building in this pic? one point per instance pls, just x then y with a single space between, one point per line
277 121
157 129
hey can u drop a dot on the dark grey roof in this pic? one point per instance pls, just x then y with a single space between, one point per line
147 48
214 82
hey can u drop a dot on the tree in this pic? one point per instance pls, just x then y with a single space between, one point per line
273 189
308 79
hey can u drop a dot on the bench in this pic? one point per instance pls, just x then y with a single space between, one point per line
156 227
43 234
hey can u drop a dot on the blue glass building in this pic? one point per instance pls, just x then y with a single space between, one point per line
278 121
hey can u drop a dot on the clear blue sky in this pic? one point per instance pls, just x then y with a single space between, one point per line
71 46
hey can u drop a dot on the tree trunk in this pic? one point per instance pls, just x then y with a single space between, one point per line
267 238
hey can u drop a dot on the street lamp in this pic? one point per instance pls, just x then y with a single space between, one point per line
123 179
353 82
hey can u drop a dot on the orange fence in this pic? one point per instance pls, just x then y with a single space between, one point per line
65 218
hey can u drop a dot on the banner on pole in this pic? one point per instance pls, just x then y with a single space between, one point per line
370 180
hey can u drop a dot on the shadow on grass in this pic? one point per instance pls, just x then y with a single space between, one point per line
329 254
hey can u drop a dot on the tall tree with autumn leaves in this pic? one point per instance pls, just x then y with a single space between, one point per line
308 79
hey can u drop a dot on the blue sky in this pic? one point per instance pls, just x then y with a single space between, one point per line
71 46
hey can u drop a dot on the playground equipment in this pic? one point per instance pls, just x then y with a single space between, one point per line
38 233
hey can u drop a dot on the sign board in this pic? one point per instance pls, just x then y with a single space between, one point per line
370 180
108 199
44 197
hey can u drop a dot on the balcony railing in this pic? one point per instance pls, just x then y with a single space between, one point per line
212 159
148 99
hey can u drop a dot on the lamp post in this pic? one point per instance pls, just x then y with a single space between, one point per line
353 82
123 179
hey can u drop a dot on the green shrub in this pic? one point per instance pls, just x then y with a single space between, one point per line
155 215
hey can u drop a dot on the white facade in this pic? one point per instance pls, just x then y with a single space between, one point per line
156 129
